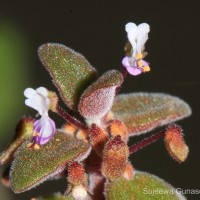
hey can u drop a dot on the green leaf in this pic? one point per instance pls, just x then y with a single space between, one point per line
32 167
143 186
70 71
142 112
56 196
98 98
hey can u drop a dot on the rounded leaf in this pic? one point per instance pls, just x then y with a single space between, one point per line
70 71
143 186
98 98
142 112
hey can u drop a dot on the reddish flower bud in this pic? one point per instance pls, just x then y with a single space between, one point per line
98 138
119 128
77 174
175 143
114 158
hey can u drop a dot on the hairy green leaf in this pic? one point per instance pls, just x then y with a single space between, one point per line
142 112
143 186
32 167
97 99
70 71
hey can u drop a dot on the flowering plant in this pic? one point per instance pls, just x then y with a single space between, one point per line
91 149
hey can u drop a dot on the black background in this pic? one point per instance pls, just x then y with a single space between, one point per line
96 29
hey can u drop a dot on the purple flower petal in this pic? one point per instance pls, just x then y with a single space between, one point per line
46 129
126 62
131 66
134 71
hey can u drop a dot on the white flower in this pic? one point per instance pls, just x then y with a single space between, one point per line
44 128
137 36
37 99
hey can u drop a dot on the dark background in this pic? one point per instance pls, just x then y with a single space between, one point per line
96 29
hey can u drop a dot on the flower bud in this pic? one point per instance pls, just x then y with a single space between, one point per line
98 138
115 156
175 143
77 174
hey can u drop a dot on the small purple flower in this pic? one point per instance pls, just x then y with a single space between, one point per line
44 128
137 36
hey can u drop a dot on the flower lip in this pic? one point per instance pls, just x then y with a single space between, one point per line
44 129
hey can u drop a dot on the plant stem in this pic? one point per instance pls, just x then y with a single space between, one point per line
69 118
147 141
124 73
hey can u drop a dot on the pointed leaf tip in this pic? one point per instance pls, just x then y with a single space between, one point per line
70 71
142 112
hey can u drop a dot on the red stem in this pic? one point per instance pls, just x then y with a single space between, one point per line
124 73
69 118
147 141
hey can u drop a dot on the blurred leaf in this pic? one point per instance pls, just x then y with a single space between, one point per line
13 76
70 71
24 130
141 187
32 167
56 196
97 99
142 112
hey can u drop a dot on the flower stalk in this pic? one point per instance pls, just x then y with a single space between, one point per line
147 141
69 118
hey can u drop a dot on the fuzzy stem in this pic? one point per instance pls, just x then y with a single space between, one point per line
70 119
147 141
